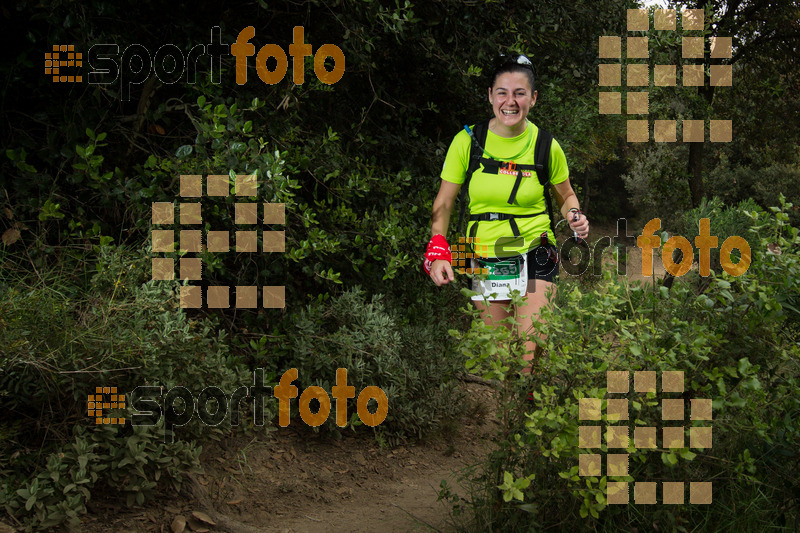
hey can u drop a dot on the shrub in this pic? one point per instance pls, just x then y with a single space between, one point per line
58 345
736 339
762 182
724 222
102 460
657 182
411 361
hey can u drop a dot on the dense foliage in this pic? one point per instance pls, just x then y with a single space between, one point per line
735 339
356 165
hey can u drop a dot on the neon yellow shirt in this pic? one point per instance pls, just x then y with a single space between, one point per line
488 193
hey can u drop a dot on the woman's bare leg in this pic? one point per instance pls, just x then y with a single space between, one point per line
540 294
493 313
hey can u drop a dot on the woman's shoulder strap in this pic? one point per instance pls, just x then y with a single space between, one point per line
478 137
541 156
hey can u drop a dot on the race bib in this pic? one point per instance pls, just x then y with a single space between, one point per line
504 276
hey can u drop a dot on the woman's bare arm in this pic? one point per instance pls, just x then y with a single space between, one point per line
443 207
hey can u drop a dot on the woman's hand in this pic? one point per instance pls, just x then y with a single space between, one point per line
579 223
441 272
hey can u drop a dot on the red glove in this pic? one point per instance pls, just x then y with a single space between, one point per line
437 249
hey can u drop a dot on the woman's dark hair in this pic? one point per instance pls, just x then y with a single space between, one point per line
514 63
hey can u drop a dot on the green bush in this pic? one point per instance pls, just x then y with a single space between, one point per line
101 460
128 332
657 185
724 223
412 361
736 340
764 185
59 341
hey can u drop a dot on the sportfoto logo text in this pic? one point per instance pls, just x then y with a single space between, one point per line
170 64
178 405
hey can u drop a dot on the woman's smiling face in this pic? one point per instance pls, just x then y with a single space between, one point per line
511 98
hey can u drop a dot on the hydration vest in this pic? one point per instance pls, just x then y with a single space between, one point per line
478 156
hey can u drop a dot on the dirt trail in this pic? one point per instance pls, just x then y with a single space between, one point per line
633 270
297 481
294 480
634 266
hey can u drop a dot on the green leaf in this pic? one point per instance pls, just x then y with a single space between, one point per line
688 455
669 458
183 151
744 366
751 383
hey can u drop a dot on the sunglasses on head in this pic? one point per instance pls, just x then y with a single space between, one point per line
517 59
